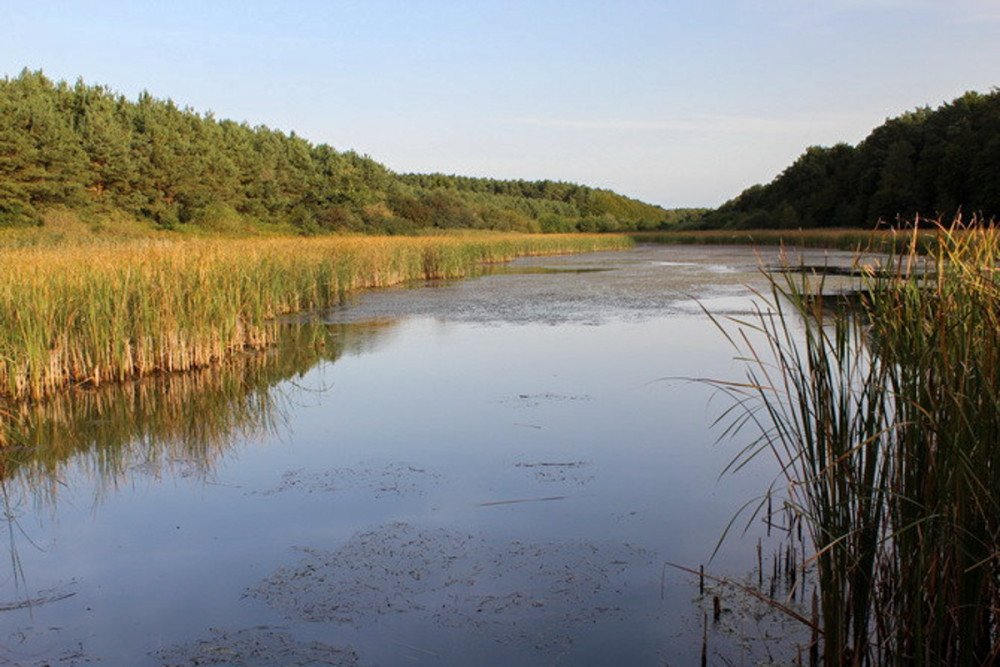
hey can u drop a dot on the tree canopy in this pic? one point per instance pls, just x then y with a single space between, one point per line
88 148
927 162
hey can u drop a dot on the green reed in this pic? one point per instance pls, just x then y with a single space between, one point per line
90 314
886 425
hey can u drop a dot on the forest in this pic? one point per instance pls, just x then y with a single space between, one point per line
87 149
932 163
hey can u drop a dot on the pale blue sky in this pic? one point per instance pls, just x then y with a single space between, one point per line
676 103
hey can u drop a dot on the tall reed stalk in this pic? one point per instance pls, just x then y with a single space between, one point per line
92 314
886 425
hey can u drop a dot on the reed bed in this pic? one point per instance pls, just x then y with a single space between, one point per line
87 315
886 425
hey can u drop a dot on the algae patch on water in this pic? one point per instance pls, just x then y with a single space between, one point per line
263 646
390 479
539 594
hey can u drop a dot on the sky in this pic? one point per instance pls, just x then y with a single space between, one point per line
675 103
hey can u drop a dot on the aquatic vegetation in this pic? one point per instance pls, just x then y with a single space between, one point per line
885 423
80 314
884 240
542 594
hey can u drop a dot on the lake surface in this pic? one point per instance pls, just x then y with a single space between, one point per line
489 471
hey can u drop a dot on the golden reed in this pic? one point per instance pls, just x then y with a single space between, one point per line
90 314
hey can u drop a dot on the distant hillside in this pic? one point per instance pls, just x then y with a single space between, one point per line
89 149
928 162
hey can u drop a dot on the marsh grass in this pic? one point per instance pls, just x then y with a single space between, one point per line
87 314
885 423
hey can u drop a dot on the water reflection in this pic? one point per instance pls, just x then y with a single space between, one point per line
485 470
601 287
180 424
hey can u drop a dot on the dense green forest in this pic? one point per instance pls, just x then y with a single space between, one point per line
88 149
928 162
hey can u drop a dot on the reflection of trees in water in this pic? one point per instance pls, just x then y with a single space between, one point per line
180 423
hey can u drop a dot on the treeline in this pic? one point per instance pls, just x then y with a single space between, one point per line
565 207
89 149
928 162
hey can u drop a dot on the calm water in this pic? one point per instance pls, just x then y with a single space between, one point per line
489 471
